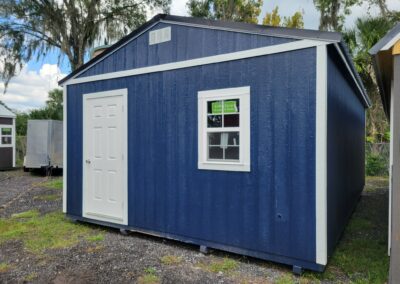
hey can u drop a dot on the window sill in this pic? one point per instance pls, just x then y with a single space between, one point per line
224 166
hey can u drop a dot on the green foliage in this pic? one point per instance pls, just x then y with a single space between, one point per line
171 260
52 110
333 13
375 165
21 123
31 29
150 276
274 19
366 33
39 233
234 10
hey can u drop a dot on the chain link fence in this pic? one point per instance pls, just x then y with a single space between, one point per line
377 159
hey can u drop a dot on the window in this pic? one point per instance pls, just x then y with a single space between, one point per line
6 135
224 129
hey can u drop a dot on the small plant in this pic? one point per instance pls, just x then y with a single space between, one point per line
375 165
4 267
285 279
150 277
150 270
171 260
226 266
95 238
31 277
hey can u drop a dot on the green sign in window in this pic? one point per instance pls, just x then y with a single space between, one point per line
229 107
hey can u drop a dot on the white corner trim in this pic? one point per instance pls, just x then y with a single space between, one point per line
279 48
321 184
243 94
65 149
352 75
14 142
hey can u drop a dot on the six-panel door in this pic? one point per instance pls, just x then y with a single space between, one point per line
104 182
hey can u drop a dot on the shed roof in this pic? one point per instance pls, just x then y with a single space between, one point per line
383 64
5 112
331 37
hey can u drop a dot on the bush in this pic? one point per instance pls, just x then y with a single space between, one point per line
375 165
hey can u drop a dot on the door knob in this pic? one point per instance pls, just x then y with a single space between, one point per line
87 161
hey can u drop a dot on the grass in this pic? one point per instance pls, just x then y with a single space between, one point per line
149 277
226 266
39 233
31 277
55 183
171 260
95 238
361 255
4 267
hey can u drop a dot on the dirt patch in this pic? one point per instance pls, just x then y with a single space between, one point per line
103 255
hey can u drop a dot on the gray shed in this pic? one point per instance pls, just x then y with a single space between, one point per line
7 138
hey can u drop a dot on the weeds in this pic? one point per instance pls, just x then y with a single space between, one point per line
171 260
39 233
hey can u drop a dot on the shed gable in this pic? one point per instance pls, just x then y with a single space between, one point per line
187 42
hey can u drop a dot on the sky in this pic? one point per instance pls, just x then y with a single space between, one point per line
29 89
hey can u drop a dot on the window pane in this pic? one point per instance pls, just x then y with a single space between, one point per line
232 153
214 139
215 152
214 107
6 131
233 138
231 106
214 121
231 120
5 140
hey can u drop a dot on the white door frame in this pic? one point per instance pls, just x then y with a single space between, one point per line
113 93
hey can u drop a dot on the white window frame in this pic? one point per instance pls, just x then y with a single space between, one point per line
243 94
12 135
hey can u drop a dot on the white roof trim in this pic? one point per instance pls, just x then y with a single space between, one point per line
392 42
279 48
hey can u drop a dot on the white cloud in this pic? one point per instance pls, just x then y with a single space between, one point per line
178 7
29 89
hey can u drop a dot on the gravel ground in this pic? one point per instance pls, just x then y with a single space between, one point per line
116 258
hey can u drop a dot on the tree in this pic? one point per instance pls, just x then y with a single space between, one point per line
367 32
235 10
274 19
54 104
333 13
30 29
52 110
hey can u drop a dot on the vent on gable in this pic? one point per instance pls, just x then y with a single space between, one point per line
160 35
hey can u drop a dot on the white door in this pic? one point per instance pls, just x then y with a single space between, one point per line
105 156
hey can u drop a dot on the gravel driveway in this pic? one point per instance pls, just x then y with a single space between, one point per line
110 257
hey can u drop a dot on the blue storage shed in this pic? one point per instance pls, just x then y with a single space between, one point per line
234 136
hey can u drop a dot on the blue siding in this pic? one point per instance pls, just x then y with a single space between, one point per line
269 210
186 43
346 132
